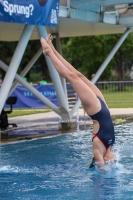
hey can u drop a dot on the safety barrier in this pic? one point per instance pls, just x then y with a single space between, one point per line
25 99
117 92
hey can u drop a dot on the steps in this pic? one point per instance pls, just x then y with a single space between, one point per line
72 95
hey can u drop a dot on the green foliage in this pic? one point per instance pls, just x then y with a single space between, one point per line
7 49
31 49
124 56
88 53
35 77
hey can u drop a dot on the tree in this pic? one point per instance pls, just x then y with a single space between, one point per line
124 56
7 49
88 53
40 66
32 47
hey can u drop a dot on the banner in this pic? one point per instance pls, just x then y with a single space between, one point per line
35 12
25 99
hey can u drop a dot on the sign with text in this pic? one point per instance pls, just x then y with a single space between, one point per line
34 12
25 99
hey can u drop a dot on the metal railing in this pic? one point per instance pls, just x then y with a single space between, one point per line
117 91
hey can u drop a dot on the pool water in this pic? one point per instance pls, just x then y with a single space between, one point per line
57 168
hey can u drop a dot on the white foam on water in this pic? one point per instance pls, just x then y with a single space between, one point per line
15 169
110 167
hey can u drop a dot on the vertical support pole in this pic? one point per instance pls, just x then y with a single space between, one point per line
110 56
58 46
14 64
63 80
68 6
56 80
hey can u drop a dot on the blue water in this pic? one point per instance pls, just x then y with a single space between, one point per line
57 168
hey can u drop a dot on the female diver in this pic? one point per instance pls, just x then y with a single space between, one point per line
92 101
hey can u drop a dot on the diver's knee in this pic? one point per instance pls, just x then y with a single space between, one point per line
79 75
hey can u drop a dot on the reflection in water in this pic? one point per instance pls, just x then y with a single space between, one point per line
104 187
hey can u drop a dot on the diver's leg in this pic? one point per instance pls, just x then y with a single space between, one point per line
88 98
72 69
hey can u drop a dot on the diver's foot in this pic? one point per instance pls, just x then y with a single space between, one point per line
46 48
49 41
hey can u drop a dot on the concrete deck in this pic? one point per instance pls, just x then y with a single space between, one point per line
47 124
121 111
52 115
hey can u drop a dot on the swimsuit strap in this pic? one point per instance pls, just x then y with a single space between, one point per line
94 135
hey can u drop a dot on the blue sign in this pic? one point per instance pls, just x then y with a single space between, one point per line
35 12
25 99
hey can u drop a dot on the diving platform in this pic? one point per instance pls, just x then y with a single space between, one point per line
80 18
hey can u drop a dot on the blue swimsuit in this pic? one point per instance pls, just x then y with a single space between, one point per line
106 129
